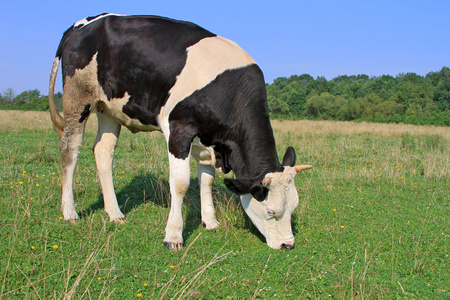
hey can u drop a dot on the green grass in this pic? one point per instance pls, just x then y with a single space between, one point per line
373 222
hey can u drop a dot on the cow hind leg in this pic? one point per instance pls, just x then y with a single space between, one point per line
70 146
104 148
206 175
205 172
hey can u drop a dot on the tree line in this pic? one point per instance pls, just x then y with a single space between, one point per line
27 100
407 98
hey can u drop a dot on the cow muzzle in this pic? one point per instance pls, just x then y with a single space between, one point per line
287 246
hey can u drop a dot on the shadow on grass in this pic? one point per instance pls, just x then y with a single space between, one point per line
150 188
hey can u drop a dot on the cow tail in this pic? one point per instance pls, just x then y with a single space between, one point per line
57 120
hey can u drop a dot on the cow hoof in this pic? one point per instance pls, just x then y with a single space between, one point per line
73 221
120 220
173 246
213 226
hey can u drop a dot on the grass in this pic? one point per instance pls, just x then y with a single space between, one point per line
373 220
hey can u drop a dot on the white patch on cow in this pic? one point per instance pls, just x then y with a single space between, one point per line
85 21
206 60
272 216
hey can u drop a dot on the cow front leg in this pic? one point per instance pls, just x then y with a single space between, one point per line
70 146
206 175
104 148
179 183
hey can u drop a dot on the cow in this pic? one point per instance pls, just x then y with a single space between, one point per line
202 91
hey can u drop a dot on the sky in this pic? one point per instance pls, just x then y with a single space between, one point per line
321 37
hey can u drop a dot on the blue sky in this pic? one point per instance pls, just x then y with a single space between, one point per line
321 37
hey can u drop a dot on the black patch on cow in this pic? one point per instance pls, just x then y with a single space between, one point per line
259 192
85 113
230 114
138 55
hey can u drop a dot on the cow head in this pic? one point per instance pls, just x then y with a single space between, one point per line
269 203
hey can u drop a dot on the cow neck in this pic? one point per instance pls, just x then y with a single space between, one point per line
254 154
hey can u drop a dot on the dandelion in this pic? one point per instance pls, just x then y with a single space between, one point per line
139 295
145 284
171 267
334 209
37 184
342 226
32 248
60 217
55 246
99 278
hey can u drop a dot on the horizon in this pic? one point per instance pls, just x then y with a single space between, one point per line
16 93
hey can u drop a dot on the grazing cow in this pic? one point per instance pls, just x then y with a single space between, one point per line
203 92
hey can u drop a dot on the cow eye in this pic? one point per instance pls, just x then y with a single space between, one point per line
270 212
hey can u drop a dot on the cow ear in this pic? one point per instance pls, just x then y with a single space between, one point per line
239 186
259 192
289 157
246 186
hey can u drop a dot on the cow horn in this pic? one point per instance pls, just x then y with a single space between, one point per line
302 167
266 181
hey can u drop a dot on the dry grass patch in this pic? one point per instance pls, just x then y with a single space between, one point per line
308 126
39 120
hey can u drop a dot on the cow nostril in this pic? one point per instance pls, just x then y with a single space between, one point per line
287 246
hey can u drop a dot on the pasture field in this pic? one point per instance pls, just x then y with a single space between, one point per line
373 220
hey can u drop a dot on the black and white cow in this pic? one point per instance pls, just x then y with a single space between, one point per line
203 92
